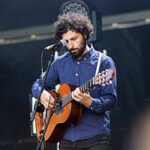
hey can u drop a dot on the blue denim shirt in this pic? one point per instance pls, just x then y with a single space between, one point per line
94 119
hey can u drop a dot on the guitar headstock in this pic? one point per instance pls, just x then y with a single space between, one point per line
104 76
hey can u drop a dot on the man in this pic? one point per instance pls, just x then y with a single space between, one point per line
92 131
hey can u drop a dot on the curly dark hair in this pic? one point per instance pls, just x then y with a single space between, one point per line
73 21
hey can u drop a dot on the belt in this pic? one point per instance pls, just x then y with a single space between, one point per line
98 139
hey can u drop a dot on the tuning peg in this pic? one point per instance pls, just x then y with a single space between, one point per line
107 83
103 84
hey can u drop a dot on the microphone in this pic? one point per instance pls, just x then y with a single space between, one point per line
56 45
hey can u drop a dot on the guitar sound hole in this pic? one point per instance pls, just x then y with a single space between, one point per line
58 109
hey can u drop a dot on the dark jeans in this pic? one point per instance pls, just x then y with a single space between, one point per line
99 142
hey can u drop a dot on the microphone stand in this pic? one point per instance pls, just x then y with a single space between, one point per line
56 101
38 107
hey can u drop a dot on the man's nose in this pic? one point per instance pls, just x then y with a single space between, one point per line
70 45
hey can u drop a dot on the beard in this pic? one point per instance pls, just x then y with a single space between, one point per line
80 50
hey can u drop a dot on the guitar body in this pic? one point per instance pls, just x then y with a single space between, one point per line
61 119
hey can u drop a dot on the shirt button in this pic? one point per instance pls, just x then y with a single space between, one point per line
76 74
78 62
84 58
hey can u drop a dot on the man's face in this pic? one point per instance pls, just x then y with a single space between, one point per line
75 43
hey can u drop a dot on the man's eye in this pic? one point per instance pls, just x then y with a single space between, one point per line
74 39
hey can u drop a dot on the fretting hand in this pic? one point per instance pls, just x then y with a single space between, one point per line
82 98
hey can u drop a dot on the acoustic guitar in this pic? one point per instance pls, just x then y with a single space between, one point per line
68 111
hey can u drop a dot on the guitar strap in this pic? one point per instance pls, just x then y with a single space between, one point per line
98 63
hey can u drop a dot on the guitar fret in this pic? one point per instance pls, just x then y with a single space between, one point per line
89 85
81 88
85 86
91 82
94 81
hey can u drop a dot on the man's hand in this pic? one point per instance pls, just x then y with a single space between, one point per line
82 98
46 99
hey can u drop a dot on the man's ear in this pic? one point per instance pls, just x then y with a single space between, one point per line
85 36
